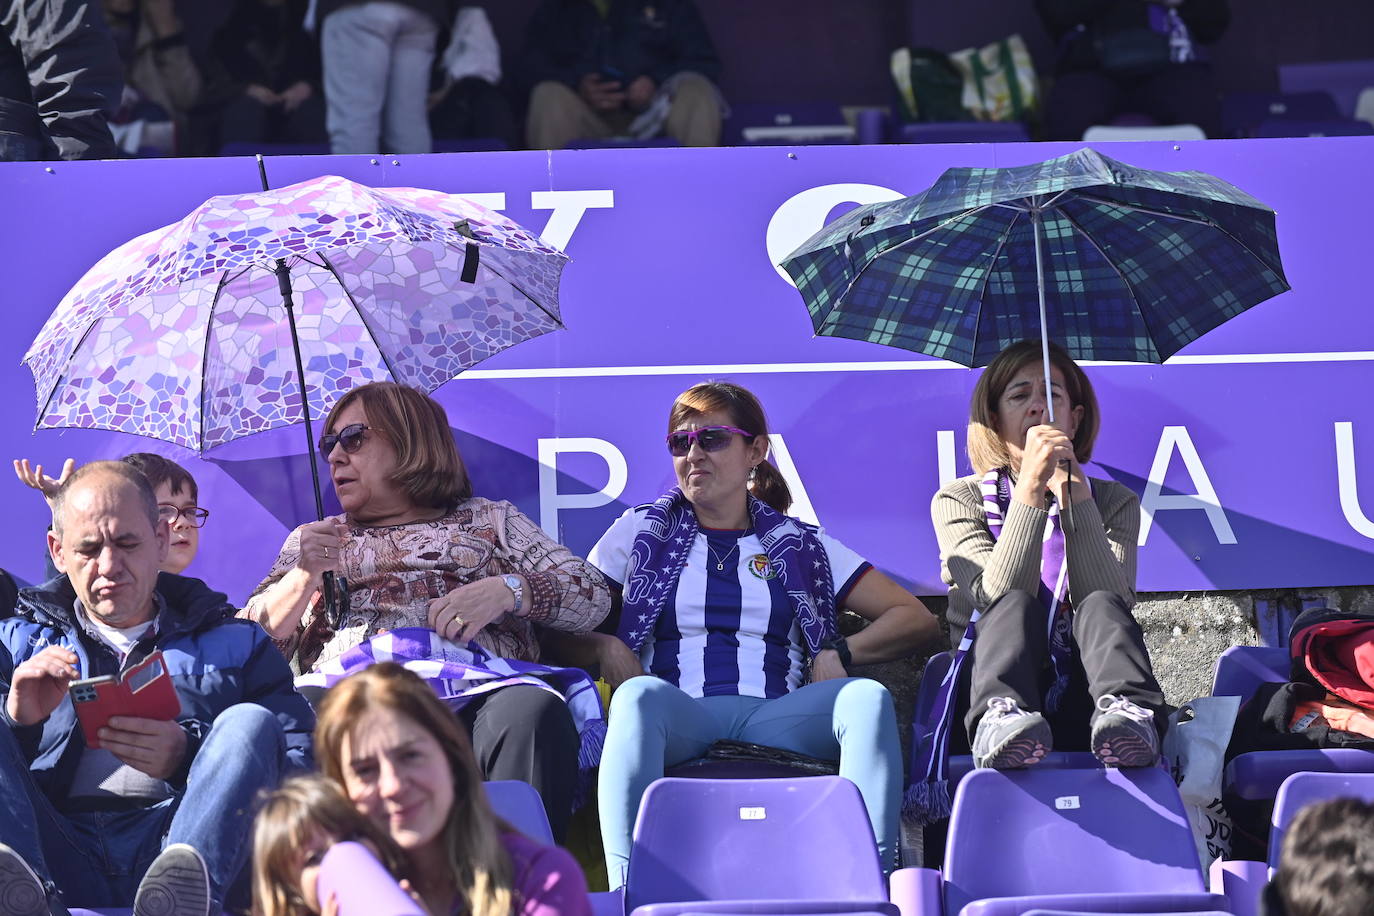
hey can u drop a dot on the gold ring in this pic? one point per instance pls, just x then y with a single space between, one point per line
326 553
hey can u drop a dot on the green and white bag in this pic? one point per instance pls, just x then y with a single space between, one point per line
999 80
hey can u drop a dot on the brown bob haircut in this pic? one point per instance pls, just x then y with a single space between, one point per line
746 413
428 466
986 450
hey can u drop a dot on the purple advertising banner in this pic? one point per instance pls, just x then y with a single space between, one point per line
1246 448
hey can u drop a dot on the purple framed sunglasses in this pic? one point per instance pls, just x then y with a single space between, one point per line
710 438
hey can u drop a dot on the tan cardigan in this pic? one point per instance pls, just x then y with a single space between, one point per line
1100 547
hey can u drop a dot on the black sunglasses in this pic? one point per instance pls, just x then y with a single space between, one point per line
710 438
350 437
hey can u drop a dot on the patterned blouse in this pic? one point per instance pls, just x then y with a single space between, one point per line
394 572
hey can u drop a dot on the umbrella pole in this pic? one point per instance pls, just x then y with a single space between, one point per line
1045 351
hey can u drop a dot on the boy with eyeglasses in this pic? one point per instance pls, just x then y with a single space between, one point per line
173 486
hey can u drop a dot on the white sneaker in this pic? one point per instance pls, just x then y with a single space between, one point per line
1124 734
1009 737
176 884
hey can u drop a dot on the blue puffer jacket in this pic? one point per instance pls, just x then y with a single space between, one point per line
215 661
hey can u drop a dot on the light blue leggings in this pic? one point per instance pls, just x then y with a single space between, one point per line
654 725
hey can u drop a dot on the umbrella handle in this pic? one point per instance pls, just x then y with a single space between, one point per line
335 599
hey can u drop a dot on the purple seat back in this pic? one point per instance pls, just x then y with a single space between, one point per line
1242 112
1302 789
1344 79
1242 669
1042 832
1339 127
753 839
518 804
963 132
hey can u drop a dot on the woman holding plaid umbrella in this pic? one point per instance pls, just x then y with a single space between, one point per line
1044 598
420 551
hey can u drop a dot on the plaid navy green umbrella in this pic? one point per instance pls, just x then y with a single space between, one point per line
1111 261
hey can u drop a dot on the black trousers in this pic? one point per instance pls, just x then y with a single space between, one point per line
525 733
1011 658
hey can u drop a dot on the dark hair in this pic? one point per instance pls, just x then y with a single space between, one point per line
745 412
986 450
428 466
126 473
161 470
1326 865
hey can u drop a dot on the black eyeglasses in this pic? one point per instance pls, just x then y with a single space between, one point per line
195 516
710 438
350 437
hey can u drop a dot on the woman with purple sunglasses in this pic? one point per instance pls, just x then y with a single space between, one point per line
420 552
732 609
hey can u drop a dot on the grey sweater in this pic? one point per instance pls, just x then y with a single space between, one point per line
1100 547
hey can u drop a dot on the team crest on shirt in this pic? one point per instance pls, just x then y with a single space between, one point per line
762 567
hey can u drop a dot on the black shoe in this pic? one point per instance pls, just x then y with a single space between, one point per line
21 893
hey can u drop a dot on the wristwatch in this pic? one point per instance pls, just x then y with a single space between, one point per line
518 590
841 647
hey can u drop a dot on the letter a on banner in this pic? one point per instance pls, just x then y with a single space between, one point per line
1154 500
551 501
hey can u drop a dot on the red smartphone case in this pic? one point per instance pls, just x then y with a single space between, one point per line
145 690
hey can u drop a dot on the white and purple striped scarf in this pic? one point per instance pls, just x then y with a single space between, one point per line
663 543
461 673
927 796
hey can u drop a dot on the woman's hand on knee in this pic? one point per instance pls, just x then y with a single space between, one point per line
826 666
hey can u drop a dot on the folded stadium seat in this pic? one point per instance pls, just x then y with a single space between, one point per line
274 149
1364 106
1040 912
963 132
1076 841
960 765
1099 133
1242 881
620 143
1257 775
518 804
794 123
766 846
1336 127
1243 112
1344 79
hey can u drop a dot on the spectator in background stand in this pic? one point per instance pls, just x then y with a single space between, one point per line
465 102
161 82
275 68
377 59
1326 865
603 68
1131 56
59 80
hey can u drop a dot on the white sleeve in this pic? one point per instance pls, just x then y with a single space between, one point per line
846 566
473 50
611 554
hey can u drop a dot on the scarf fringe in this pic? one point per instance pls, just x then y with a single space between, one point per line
925 803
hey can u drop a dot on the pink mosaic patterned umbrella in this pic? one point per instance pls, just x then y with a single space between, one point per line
181 334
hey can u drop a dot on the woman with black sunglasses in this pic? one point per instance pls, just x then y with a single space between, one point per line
418 550
732 608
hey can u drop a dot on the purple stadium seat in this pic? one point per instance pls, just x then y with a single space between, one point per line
274 149
963 132
1242 882
620 143
762 123
1040 912
519 804
1256 776
1344 79
1078 840
471 145
1337 127
362 884
1243 112
735 846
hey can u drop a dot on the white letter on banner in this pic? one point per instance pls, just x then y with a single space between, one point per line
568 208
944 455
492 200
551 501
802 215
1205 498
1347 483
801 503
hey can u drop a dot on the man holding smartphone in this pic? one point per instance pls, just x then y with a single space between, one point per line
620 68
160 813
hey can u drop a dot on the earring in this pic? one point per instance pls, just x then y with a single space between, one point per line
753 472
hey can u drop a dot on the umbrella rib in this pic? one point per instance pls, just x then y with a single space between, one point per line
914 238
205 352
362 316
1001 243
1112 264
1162 214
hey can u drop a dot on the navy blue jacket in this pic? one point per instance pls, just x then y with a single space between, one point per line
215 660
567 39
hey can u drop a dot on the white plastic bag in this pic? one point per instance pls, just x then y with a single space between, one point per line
1195 747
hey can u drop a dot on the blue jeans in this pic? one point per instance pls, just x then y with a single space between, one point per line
654 725
96 859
